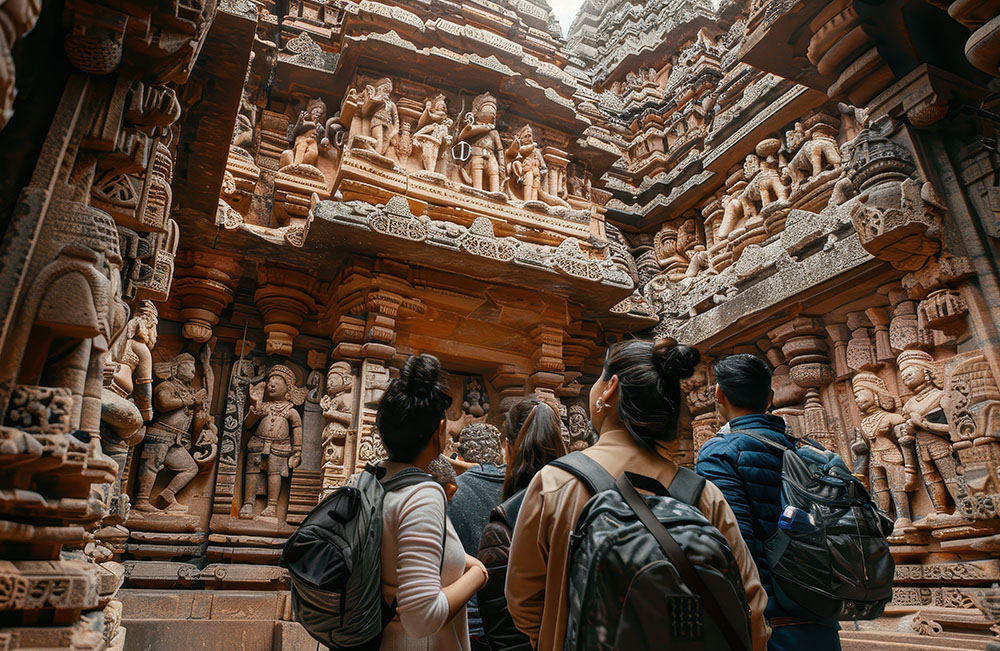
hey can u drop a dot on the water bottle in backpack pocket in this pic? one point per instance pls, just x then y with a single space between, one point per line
829 556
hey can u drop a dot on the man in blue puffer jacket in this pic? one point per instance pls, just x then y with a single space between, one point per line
748 472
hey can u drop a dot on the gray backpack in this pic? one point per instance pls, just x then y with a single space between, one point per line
334 561
650 572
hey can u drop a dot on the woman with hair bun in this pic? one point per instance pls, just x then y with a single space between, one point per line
634 406
533 438
424 567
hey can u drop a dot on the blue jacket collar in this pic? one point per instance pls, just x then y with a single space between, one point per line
767 424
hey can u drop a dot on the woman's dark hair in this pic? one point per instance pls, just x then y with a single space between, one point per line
538 441
745 380
649 391
412 408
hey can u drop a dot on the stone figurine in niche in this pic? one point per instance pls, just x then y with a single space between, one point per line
276 444
433 132
338 411
381 114
169 443
304 136
476 403
891 470
927 426
485 162
126 398
525 166
679 252
581 432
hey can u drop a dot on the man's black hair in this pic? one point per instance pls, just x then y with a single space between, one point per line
745 380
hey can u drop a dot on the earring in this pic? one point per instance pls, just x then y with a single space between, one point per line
600 405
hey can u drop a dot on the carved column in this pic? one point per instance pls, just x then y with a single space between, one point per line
549 368
205 286
284 296
803 344
555 180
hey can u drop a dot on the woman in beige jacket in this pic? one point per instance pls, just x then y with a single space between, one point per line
634 406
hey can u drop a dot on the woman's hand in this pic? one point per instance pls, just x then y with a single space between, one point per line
471 564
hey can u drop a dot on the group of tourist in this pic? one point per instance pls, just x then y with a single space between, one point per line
485 565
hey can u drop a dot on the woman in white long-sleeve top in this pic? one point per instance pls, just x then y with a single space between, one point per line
424 567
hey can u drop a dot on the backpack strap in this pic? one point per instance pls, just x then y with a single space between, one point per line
680 560
404 479
512 506
687 486
591 473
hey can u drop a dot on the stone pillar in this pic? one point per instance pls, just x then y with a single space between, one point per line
204 287
284 296
548 361
803 344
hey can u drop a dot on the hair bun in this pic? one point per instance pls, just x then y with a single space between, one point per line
420 375
673 360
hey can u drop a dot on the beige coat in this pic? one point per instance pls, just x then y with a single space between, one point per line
536 575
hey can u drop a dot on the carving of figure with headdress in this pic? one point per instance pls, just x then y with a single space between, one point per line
169 442
276 444
338 411
126 396
679 252
381 114
305 135
891 469
927 425
486 155
432 131
525 166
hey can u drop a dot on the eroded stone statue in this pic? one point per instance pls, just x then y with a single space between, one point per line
276 444
679 251
486 162
338 411
925 424
432 132
891 474
126 398
305 136
381 114
168 443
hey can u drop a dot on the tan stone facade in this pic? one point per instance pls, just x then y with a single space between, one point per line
225 226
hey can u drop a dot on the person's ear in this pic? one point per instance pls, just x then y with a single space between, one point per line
442 435
611 390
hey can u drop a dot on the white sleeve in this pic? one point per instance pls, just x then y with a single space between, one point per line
422 606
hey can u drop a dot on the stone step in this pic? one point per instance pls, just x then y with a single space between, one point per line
892 641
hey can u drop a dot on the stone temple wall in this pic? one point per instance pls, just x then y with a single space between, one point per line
226 226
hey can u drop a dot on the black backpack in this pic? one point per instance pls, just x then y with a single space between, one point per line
334 560
650 572
839 566
501 633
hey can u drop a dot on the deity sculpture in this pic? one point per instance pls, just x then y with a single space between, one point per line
276 444
475 404
432 131
485 162
338 411
525 166
381 114
168 441
679 252
927 425
129 375
304 137
581 432
891 470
